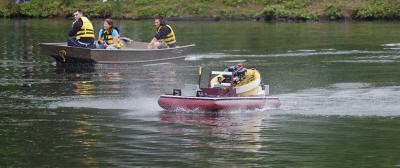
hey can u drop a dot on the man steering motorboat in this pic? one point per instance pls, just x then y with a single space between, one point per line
238 72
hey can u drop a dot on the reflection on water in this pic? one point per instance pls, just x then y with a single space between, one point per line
337 82
93 80
243 128
86 143
161 77
83 88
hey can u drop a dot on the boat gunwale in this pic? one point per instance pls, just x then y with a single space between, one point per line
118 50
128 62
221 98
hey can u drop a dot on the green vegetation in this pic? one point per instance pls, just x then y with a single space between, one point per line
287 12
295 10
333 11
378 10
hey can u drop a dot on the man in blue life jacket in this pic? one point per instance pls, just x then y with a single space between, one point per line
81 34
164 37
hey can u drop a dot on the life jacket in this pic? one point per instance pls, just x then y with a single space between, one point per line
86 29
108 38
170 38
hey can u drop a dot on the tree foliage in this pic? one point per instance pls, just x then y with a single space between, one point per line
267 9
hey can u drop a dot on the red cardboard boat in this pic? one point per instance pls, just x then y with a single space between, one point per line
226 91
171 102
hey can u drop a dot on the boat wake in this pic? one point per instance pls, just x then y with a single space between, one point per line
391 45
135 104
230 111
343 99
290 53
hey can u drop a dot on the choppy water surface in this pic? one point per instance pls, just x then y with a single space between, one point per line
338 83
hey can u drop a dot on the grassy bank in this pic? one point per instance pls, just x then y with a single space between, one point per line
303 10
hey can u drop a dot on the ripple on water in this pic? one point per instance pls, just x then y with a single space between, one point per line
393 48
390 45
379 57
347 99
362 61
235 61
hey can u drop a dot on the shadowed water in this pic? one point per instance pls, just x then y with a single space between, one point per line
338 84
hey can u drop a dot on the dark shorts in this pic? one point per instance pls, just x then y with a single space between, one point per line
76 43
165 45
171 45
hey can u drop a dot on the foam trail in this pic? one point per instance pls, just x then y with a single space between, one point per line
391 45
235 61
395 48
197 57
362 61
297 53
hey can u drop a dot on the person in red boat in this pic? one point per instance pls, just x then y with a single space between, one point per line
238 72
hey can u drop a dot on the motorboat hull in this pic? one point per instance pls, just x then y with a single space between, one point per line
133 53
173 103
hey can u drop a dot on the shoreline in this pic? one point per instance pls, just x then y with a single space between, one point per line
321 19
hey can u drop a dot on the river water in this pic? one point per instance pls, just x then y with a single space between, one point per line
338 83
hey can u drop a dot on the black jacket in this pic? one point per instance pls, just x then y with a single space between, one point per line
75 28
164 31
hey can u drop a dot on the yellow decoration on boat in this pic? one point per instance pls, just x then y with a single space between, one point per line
249 85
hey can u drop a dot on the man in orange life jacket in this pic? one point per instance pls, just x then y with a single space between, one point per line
81 34
164 37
